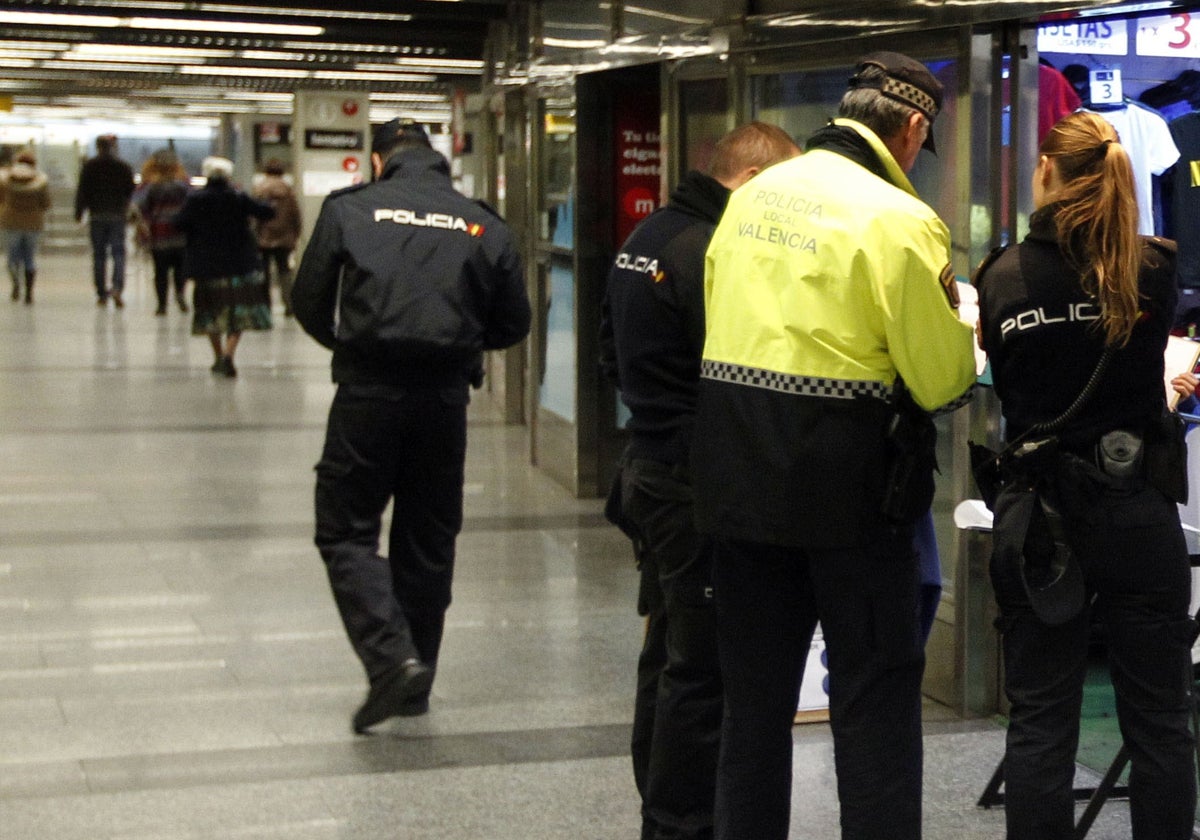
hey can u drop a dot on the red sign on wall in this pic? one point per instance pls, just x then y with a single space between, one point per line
638 163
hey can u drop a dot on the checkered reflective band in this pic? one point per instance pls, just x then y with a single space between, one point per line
956 404
911 94
808 386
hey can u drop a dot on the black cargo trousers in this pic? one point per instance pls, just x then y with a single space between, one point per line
405 445
677 713
1134 560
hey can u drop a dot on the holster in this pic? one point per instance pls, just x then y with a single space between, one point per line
1166 457
911 441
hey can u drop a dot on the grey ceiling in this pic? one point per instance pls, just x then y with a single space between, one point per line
46 64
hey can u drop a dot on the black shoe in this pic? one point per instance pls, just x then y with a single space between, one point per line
400 692
102 301
414 708
162 310
224 367
183 307
16 295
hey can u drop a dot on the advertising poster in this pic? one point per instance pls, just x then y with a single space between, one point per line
638 164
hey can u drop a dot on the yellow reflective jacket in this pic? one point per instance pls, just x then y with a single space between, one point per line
822 283
819 268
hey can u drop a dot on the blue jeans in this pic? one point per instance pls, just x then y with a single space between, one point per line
108 237
21 246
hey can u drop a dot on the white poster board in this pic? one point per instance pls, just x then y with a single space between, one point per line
1180 357
814 689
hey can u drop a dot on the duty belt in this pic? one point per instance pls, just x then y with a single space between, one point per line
809 386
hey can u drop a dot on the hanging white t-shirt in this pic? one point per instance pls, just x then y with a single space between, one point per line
1147 138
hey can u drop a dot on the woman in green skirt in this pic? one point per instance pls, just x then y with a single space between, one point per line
221 255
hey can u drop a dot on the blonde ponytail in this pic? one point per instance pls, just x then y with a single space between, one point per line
1097 217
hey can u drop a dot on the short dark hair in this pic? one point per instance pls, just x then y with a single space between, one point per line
274 166
397 135
106 142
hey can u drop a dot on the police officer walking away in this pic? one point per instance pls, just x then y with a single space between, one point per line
651 335
408 282
822 288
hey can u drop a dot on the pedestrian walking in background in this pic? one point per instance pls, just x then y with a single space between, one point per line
104 192
24 200
159 199
277 236
221 255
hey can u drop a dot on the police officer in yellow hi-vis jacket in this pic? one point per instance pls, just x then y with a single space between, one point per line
826 282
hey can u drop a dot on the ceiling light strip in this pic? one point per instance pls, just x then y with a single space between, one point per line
265 72
168 24
140 51
231 9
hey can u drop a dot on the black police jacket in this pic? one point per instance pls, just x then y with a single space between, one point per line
1042 335
652 319
408 281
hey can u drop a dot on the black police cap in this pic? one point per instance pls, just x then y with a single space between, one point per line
398 130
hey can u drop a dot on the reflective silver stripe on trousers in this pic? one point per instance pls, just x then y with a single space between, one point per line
809 386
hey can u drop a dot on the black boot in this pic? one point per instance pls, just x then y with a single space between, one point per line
16 281
30 276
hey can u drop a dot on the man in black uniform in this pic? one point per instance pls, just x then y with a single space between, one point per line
408 282
652 333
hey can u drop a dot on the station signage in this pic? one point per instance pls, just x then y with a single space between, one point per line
1169 36
321 138
1086 37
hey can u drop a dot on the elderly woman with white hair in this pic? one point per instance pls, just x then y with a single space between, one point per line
221 255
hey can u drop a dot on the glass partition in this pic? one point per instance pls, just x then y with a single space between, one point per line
703 119
556 242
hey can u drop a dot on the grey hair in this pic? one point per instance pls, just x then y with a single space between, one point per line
217 168
867 105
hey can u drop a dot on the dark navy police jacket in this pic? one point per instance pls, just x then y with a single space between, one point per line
652 323
408 281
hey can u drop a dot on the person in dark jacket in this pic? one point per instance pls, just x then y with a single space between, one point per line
104 191
221 255
651 337
408 282
277 237
163 192
1081 282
